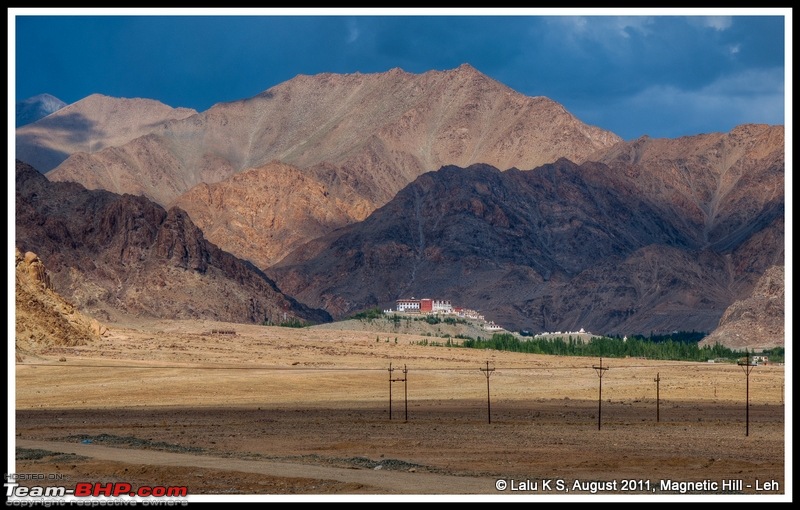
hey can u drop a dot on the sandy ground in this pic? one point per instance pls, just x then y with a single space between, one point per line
268 411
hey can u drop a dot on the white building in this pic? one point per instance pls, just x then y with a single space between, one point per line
408 305
442 306
491 326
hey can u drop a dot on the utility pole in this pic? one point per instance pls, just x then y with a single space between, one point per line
657 380
600 371
404 380
488 372
390 390
405 388
747 365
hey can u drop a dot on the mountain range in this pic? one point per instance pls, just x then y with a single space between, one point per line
616 246
109 253
351 191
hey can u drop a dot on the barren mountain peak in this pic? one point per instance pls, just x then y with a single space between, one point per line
90 125
469 72
381 129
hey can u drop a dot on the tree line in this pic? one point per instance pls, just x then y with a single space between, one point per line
635 347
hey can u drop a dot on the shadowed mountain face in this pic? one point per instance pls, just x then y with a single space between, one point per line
111 253
661 242
380 131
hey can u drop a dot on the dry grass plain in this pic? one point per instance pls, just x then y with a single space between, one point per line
296 413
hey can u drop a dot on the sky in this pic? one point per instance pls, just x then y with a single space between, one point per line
656 72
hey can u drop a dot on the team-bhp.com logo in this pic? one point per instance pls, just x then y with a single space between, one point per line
19 495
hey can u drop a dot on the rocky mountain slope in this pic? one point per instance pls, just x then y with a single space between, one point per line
661 235
113 254
758 320
90 125
262 214
44 318
715 183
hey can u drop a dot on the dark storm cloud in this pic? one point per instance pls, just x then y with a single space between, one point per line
658 75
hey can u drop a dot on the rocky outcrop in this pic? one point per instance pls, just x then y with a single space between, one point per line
43 318
757 321
37 273
113 253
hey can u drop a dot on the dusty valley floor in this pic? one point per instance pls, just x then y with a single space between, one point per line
305 412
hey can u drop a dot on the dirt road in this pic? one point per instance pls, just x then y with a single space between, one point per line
381 481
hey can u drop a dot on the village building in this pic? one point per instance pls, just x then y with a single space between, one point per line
408 305
424 305
491 326
442 306
439 307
